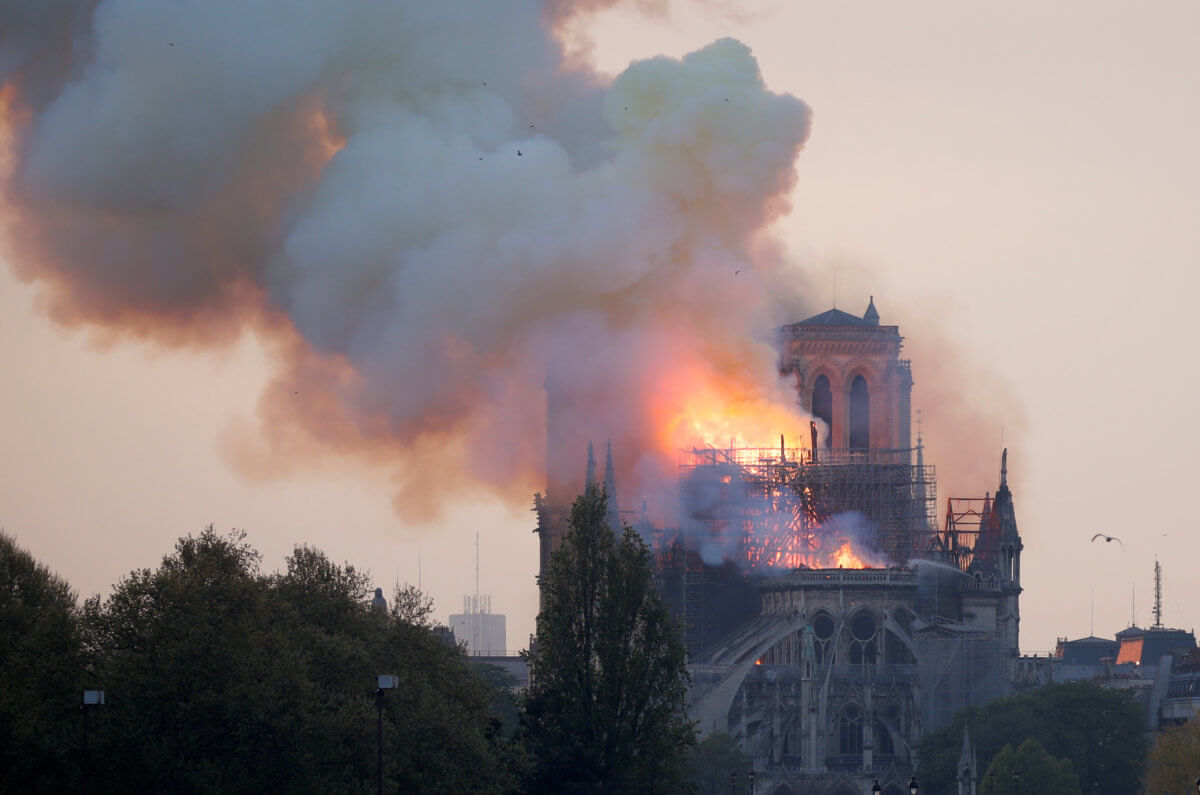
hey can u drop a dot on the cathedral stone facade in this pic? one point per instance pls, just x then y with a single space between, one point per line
828 676
831 685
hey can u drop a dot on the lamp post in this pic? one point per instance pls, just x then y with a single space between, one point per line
732 783
913 786
385 682
992 782
750 776
875 786
91 698
1016 779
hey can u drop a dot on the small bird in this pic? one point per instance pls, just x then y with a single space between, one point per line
626 107
170 44
735 273
726 99
479 158
1108 539
520 153
531 127
485 84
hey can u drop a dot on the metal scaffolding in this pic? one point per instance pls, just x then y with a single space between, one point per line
746 512
970 537
780 508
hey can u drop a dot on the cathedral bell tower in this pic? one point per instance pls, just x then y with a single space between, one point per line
849 375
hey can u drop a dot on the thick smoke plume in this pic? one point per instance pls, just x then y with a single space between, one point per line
426 209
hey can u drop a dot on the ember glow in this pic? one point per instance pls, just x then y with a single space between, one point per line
841 555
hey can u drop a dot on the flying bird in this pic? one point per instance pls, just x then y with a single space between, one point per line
1108 539
735 273
531 127
520 153
170 44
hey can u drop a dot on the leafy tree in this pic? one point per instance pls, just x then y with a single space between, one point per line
605 710
714 760
1174 762
42 676
1099 730
1038 771
505 707
220 678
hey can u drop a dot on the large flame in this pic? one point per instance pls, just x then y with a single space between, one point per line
844 557
698 407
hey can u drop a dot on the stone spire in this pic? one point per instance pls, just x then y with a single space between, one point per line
590 478
967 766
610 488
1003 504
872 314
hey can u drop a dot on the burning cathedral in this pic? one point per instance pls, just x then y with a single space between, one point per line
829 621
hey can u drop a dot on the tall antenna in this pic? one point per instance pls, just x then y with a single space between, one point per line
1092 629
477 571
1157 595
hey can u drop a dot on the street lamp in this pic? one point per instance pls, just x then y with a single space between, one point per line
750 776
732 783
992 782
385 682
913 786
875 787
1016 779
91 698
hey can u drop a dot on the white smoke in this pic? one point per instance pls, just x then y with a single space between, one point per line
424 201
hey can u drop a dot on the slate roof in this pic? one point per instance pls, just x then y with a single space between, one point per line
834 317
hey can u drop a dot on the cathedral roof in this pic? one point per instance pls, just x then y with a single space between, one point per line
835 317
871 316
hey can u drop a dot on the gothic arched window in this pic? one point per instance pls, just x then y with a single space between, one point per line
883 740
860 414
850 739
822 407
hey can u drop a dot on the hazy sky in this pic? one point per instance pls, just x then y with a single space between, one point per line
1018 188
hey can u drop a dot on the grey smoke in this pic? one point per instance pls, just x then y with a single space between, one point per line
175 180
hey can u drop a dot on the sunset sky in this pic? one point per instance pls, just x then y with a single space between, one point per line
1017 186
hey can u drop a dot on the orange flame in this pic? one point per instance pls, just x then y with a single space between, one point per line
697 407
844 557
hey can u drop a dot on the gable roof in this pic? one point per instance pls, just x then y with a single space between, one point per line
834 317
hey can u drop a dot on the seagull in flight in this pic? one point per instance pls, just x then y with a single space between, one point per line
520 153
1108 539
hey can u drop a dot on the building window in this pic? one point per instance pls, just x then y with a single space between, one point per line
822 407
860 414
883 740
850 740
